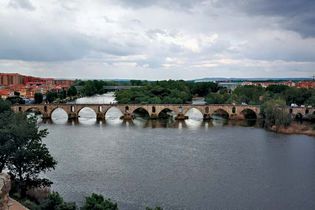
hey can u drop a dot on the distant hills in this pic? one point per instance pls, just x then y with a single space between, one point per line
232 79
216 79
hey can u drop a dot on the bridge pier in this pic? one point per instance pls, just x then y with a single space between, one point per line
46 116
100 116
181 116
207 117
154 116
127 116
72 116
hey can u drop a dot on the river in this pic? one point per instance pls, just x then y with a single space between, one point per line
191 165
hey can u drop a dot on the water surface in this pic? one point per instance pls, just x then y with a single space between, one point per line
191 165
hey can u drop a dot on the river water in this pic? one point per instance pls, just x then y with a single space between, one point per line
191 165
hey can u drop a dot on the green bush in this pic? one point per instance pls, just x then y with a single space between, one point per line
97 202
56 202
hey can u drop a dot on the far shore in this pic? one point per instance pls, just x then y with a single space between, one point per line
295 128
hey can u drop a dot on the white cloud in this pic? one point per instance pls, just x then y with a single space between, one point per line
152 39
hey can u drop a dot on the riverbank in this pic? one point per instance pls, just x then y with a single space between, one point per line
295 128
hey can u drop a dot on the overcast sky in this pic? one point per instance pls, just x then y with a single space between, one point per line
158 39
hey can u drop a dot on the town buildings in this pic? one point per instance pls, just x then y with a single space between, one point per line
27 86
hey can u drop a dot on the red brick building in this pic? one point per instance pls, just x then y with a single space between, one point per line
28 85
11 79
306 84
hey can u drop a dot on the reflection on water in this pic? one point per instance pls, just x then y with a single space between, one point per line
195 120
148 123
191 164
182 164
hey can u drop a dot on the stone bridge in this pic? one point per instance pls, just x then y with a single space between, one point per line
154 111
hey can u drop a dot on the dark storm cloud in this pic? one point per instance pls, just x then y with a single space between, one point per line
158 39
297 15
41 45
62 46
21 4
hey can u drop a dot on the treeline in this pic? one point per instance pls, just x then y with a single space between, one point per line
164 92
257 95
176 92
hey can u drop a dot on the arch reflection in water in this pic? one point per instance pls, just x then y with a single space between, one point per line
141 113
219 121
34 113
59 116
249 114
113 115
166 114
194 114
141 116
87 116
220 114
195 118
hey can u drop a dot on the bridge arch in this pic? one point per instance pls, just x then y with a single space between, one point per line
141 111
249 113
113 112
80 108
164 111
58 115
34 109
298 116
88 110
221 113
194 113
202 110
57 108
307 111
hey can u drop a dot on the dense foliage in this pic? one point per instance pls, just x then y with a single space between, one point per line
202 89
60 95
257 95
275 113
38 97
177 92
55 202
165 92
22 150
97 202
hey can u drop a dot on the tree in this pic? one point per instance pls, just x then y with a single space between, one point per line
16 93
6 145
38 98
89 89
4 106
72 91
97 202
297 95
23 152
275 112
203 88
277 88
156 92
248 94
51 96
56 202
15 100
217 98
156 208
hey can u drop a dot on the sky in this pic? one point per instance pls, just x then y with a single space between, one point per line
158 39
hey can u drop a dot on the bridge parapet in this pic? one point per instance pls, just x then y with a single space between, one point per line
154 110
